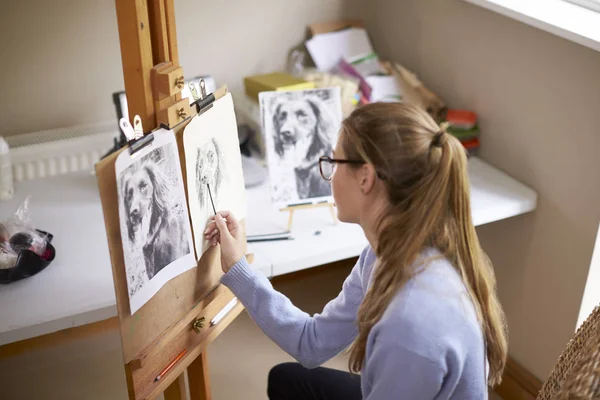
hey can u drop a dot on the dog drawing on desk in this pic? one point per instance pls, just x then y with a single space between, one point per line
303 131
150 221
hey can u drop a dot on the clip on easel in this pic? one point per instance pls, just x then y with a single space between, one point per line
302 206
168 335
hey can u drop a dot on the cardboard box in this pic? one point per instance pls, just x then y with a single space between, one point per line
276 81
332 26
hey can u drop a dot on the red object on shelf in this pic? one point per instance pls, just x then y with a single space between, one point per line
471 143
462 119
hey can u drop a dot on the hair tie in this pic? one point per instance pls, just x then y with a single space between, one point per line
438 137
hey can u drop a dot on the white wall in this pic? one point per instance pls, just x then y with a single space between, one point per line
61 58
591 296
537 97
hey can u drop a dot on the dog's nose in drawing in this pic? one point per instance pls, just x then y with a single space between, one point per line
287 136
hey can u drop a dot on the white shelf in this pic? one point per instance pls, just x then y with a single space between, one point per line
77 288
559 17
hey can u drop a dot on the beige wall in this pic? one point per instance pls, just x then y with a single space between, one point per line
538 98
62 58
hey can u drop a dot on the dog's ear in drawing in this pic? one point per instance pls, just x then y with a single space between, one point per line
199 187
160 196
277 130
127 206
324 129
220 167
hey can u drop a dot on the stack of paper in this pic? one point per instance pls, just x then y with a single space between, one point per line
384 88
349 52
327 49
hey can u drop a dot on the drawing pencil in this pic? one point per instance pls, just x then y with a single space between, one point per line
211 199
168 367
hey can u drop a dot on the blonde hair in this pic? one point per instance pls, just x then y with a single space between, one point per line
424 171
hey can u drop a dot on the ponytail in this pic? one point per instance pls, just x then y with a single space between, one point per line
426 180
475 267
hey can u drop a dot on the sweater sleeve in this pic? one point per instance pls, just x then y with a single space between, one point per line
310 340
394 370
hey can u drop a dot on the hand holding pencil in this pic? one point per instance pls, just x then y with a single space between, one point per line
225 229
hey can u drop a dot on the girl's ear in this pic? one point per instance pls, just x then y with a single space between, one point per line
366 178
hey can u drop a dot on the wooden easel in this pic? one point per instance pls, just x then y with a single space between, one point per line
177 318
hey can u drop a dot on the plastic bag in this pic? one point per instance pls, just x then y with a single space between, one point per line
18 233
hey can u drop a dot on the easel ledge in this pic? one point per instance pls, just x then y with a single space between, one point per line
209 308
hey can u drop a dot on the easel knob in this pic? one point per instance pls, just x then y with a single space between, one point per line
198 324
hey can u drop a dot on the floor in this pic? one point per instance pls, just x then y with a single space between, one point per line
240 359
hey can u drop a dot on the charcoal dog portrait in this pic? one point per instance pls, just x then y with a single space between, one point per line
213 160
155 228
299 127
209 173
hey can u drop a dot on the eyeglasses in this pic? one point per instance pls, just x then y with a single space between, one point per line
327 164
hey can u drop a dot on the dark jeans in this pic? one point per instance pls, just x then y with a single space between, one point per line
291 381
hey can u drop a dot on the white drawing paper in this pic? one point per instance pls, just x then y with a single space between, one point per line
384 88
299 127
214 167
154 222
327 49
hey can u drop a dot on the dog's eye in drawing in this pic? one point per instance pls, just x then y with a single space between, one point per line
302 116
129 194
144 188
282 116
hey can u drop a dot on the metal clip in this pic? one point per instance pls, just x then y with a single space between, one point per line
179 82
194 91
127 129
202 88
137 127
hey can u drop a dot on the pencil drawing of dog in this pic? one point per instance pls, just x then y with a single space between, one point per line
150 220
303 131
209 171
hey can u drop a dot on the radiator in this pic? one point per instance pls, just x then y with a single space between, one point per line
60 151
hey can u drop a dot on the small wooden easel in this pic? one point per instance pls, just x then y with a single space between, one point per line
292 208
169 335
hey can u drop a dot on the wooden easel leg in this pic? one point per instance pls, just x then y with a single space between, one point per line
333 213
136 56
176 391
290 219
198 378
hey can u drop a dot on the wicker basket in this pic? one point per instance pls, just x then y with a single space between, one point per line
576 375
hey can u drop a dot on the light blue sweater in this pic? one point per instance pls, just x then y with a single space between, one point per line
427 345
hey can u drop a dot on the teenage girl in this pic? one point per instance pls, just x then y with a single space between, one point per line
419 311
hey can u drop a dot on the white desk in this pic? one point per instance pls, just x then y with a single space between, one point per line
494 196
77 288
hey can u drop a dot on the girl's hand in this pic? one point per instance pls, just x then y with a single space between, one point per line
225 230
